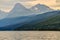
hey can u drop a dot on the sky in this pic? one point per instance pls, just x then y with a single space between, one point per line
7 5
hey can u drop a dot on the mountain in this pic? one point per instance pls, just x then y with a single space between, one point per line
3 14
4 23
19 10
26 21
41 8
51 23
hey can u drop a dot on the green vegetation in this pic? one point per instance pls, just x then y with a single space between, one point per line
52 23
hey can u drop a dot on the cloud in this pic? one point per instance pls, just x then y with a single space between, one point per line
28 3
58 5
57 1
26 0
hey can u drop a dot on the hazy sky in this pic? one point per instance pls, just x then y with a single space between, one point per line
7 5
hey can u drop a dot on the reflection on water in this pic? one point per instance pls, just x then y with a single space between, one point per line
30 35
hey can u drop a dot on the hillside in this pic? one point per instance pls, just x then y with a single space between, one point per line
46 21
52 23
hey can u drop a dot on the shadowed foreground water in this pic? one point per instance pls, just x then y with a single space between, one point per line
30 35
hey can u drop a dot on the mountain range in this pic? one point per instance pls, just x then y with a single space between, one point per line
21 18
20 10
27 22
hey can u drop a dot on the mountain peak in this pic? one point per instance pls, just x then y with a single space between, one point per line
18 5
19 10
41 8
41 5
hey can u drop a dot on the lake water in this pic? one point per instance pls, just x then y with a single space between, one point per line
29 35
